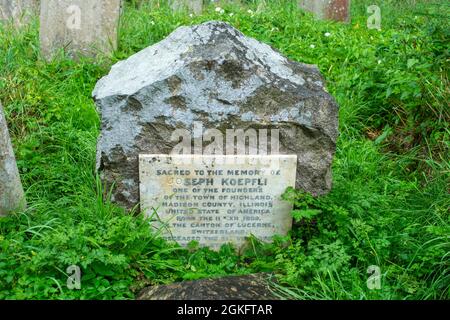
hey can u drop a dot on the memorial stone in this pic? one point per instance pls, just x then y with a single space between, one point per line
213 199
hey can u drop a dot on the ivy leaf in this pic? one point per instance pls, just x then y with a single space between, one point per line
305 214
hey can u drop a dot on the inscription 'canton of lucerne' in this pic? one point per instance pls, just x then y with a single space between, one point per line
217 199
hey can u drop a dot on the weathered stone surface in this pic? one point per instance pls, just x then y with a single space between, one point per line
207 197
250 287
11 192
80 27
19 11
195 6
214 74
338 10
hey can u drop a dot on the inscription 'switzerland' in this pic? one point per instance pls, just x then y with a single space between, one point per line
217 199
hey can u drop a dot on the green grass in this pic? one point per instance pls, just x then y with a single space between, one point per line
390 198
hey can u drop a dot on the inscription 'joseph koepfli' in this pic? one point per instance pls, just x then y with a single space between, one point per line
217 199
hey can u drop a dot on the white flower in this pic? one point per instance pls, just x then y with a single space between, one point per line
327 34
218 9
379 61
191 15
222 11
250 11
231 14
152 23
312 46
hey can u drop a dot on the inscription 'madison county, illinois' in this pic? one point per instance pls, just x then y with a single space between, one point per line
216 199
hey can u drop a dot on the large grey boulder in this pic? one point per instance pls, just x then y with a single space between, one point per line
11 193
79 27
214 74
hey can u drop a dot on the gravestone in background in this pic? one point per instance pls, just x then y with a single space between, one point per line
80 27
261 5
11 192
205 79
212 74
19 11
338 10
